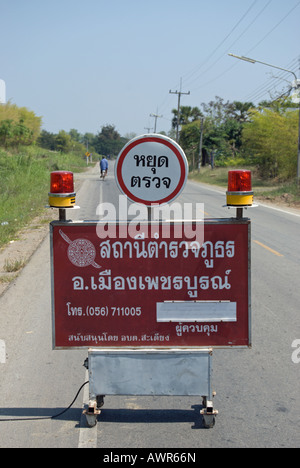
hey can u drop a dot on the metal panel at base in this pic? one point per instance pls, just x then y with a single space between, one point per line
150 372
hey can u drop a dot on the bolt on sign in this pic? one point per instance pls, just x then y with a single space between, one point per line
151 290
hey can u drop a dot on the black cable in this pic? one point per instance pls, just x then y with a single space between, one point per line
48 417
62 412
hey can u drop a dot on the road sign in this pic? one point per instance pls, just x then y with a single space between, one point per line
151 169
151 291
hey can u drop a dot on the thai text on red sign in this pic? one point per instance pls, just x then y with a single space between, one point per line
149 290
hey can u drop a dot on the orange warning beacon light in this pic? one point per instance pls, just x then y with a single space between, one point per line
239 191
62 193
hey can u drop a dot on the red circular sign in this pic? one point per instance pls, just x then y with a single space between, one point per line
151 169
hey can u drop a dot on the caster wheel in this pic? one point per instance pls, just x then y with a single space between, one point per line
91 420
209 422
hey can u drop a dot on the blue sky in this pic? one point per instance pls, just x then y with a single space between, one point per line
87 64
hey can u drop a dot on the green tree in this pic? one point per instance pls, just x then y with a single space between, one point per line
270 139
240 111
22 134
63 142
222 130
188 114
27 118
280 105
189 141
88 139
75 135
47 140
109 142
14 134
6 132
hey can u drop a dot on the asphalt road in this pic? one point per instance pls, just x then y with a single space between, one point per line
257 389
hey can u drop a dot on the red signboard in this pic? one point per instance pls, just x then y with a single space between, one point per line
149 290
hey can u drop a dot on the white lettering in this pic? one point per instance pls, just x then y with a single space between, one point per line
114 458
106 227
171 457
2 352
296 353
173 212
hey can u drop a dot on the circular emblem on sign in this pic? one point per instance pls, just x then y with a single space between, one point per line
81 252
151 169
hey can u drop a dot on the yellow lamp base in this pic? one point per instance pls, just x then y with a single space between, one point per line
62 201
239 198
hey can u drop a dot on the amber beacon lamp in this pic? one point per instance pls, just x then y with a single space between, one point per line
239 193
62 193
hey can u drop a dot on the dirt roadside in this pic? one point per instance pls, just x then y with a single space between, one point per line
18 252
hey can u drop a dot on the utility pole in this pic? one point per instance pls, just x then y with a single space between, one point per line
156 116
148 128
200 144
178 109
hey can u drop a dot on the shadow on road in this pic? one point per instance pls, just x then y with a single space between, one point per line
107 415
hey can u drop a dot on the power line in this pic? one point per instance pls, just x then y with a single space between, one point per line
258 43
195 70
265 87
188 75
234 42
274 27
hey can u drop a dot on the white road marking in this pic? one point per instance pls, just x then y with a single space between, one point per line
264 205
87 435
281 210
2 352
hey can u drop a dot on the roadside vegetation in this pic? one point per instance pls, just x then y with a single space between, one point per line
24 184
270 190
240 135
28 155
233 135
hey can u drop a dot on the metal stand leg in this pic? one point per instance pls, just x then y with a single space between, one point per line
62 214
93 410
92 413
208 412
239 213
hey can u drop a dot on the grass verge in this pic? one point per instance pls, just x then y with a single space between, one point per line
24 185
272 189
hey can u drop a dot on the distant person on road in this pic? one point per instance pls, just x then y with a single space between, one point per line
103 167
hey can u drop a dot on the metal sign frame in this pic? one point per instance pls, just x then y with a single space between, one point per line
180 313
